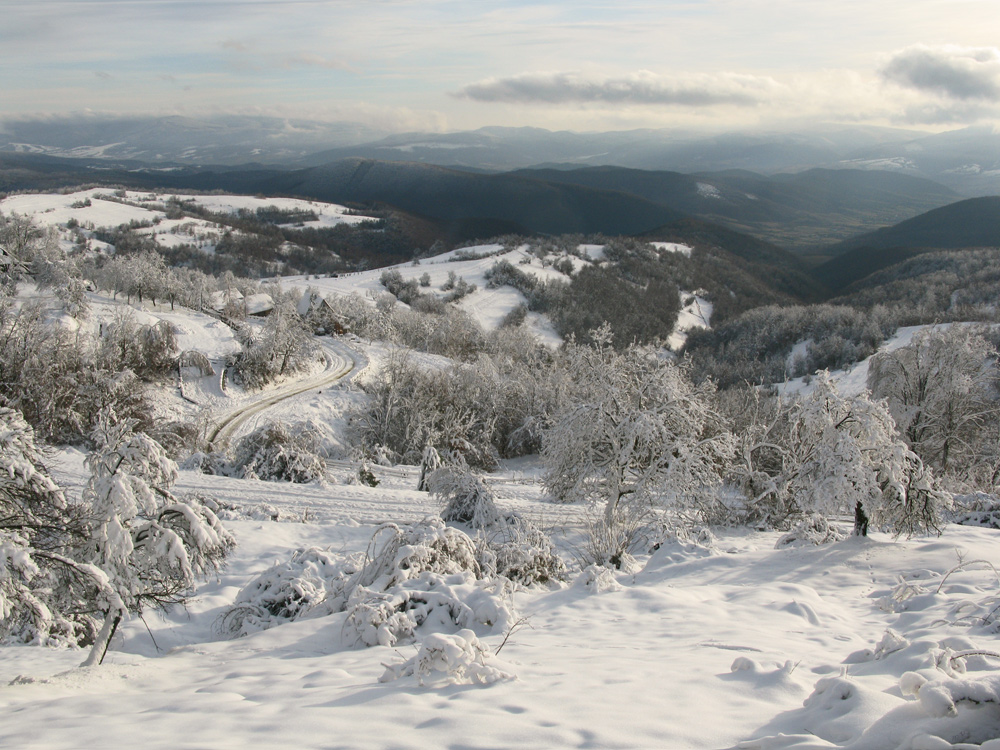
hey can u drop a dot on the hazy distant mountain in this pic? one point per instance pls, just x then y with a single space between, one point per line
182 140
799 210
966 160
503 149
970 223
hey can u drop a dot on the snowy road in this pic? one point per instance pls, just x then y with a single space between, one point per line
341 361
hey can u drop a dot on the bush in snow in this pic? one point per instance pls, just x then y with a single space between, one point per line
519 551
611 542
280 452
459 659
467 498
976 509
287 591
214 463
812 530
425 574
150 351
597 579
179 438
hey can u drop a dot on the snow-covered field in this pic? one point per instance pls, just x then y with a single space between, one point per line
98 208
707 645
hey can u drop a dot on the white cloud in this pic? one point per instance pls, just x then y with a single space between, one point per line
958 73
639 88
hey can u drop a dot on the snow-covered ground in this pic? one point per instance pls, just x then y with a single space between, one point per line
487 306
704 647
98 208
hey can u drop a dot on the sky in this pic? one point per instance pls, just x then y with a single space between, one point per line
441 65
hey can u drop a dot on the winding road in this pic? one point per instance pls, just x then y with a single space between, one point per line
341 362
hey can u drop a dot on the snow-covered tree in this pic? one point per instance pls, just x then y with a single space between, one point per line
845 455
635 432
44 593
281 346
19 235
941 390
150 544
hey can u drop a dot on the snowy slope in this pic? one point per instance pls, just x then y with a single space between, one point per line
649 665
853 381
487 306
98 208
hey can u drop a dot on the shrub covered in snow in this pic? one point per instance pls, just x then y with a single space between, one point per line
976 509
460 659
287 590
466 497
597 579
425 574
280 452
812 530
519 551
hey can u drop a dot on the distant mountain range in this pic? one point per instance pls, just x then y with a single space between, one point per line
799 211
180 140
802 210
967 160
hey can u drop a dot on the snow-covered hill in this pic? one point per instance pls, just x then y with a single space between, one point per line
711 643
100 208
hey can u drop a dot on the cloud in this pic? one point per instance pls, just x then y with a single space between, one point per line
642 87
103 74
308 59
960 73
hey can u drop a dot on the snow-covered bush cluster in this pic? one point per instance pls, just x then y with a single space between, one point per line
422 576
493 408
277 451
813 530
288 590
519 551
508 545
976 509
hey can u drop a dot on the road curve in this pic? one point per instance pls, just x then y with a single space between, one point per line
340 362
